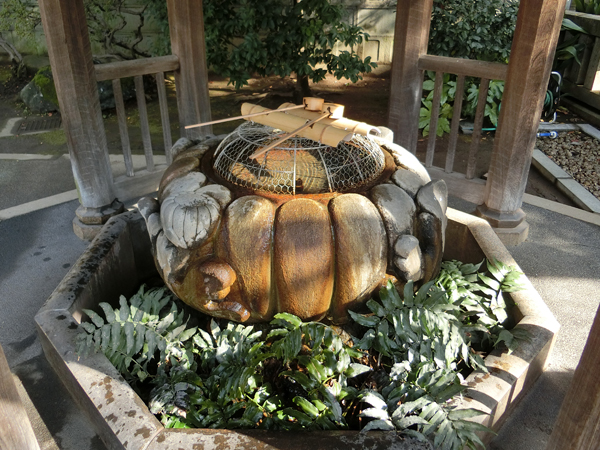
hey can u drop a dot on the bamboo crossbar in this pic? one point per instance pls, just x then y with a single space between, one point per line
285 137
466 67
136 67
244 116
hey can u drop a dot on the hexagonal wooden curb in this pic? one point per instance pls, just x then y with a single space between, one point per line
119 259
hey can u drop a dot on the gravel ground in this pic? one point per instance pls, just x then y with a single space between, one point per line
578 154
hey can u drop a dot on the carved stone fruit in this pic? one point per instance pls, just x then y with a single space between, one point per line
244 254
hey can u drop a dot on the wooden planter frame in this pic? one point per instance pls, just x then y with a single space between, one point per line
119 259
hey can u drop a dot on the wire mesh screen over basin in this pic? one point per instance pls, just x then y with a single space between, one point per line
297 165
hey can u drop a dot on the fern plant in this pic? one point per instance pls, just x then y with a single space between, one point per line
402 374
130 336
484 308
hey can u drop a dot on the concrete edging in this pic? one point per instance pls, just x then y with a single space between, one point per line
119 258
565 183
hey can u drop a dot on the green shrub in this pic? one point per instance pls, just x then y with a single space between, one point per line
481 30
401 372
587 6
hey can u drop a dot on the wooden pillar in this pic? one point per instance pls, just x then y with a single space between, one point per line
411 36
577 426
70 56
15 427
534 44
186 25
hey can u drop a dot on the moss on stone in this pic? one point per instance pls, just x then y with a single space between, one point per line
44 81
5 74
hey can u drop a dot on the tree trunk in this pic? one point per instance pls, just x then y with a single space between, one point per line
302 89
15 56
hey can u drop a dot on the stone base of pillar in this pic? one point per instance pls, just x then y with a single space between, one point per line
513 236
498 219
89 221
511 228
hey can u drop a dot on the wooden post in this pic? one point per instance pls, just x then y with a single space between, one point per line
534 44
577 426
73 70
186 25
411 35
15 428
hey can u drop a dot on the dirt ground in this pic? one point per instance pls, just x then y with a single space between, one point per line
365 101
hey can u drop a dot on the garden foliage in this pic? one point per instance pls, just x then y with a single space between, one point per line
481 30
243 37
587 6
274 37
400 371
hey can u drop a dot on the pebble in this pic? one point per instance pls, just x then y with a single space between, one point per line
576 153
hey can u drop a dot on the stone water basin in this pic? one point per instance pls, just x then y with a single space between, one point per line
119 259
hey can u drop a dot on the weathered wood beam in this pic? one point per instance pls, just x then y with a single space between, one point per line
410 43
74 75
577 426
135 67
186 25
433 121
477 128
164 115
122 121
534 44
466 67
15 428
452 140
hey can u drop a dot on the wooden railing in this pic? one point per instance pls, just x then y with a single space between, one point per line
137 69
463 68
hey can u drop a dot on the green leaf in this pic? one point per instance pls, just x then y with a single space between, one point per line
109 313
88 327
384 425
375 413
287 320
129 329
376 308
374 399
428 85
356 369
568 24
301 417
151 342
306 406
490 282
456 414
506 337
187 334
95 318
409 421
124 309
365 321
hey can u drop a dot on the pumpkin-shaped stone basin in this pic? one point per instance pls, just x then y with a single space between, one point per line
245 252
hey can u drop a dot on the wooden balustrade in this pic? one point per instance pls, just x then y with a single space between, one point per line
462 68
157 67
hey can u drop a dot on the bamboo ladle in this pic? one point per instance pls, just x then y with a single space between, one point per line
313 104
